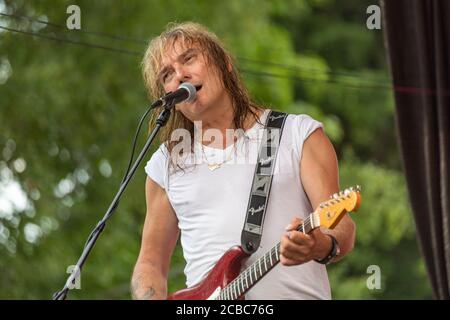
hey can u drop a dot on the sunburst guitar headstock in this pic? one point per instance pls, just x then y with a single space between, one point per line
332 211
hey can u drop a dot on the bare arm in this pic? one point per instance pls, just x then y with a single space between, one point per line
159 238
320 178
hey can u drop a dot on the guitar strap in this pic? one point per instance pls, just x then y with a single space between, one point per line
262 181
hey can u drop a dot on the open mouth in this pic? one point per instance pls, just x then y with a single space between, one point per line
198 88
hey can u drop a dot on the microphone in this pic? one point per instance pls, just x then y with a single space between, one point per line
186 92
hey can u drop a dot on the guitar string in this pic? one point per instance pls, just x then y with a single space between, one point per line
266 258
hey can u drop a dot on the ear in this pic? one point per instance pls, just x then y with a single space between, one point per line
229 65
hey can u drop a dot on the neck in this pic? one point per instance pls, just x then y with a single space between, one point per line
220 118
214 129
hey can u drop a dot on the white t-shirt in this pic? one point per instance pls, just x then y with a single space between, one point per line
211 207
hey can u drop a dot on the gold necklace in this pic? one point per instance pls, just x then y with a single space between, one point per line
215 165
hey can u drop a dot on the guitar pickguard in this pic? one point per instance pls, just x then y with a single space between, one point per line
215 294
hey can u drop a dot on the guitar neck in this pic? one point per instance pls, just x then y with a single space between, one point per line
256 271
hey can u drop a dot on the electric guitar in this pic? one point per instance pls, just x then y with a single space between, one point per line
226 282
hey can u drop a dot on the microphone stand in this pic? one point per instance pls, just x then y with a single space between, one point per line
160 122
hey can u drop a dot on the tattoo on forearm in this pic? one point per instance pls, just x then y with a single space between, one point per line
135 286
148 294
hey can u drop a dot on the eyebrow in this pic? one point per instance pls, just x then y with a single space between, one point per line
181 56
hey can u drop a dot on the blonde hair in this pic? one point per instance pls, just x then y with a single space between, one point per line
216 55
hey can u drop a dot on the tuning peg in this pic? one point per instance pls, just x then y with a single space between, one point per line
358 188
336 196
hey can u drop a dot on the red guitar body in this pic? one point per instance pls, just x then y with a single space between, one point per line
225 270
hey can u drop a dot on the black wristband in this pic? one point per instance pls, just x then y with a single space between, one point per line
333 252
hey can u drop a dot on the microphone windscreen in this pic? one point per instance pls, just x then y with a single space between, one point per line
191 89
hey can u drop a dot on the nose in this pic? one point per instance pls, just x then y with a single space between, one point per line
182 74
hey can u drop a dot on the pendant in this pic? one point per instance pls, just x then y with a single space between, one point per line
213 166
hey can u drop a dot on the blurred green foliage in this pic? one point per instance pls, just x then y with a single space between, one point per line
68 114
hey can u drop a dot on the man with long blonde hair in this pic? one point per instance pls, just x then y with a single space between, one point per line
204 200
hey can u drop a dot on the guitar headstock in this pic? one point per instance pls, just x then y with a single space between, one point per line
331 212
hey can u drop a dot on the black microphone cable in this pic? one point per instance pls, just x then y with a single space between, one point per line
101 223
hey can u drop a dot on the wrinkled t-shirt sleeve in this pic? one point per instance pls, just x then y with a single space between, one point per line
303 127
156 167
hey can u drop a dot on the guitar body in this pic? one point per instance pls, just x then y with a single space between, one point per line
225 271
